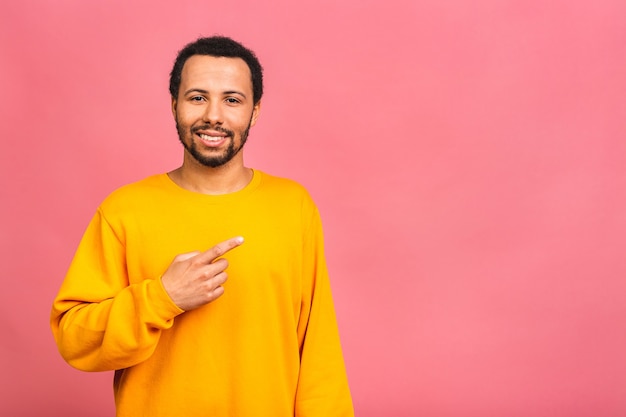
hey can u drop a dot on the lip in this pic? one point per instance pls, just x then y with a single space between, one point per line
211 132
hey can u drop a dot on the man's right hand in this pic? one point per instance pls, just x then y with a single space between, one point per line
194 279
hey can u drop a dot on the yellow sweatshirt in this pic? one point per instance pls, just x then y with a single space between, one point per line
268 347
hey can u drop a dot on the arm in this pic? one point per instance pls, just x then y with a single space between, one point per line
99 321
322 387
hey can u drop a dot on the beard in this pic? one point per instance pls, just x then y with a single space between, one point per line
215 160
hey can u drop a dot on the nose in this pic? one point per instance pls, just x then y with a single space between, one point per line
212 112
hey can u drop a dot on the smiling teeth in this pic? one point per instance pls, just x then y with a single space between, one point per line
211 138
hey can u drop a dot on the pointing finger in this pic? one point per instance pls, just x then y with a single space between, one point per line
221 248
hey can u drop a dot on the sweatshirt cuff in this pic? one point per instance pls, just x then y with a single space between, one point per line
161 304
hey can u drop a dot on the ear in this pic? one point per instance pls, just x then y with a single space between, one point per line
255 113
174 107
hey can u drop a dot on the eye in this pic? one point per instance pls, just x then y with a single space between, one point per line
196 98
232 100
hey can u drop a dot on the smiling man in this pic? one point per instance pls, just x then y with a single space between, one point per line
164 291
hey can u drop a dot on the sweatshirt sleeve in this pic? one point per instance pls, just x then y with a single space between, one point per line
322 386
99 321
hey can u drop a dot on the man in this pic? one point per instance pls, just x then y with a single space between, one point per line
238 329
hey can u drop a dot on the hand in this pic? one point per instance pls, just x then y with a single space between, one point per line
194 279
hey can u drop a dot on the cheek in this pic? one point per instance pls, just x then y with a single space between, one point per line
183 120
246 120
187 114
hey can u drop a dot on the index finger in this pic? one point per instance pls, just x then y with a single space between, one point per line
220 249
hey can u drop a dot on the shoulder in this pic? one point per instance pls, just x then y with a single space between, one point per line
274 183
139 193
284 188
287 199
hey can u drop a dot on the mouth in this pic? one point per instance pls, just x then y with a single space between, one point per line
212 139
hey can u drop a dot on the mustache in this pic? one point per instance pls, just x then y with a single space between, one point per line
196 129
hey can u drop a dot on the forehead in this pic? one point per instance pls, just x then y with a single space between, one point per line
204 71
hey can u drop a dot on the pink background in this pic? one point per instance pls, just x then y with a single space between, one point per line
468 158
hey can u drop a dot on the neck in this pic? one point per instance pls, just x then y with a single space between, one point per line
225 179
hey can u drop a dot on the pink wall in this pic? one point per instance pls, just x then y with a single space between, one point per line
468 157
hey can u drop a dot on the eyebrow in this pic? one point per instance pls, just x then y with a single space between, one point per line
201 91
